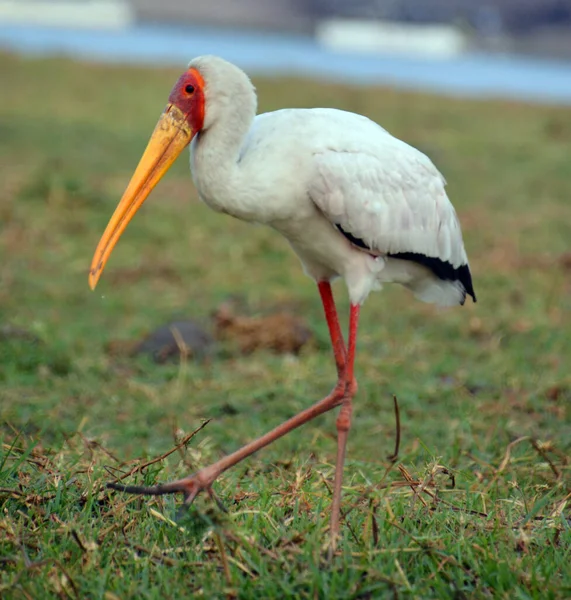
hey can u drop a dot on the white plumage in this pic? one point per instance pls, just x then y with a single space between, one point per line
325 179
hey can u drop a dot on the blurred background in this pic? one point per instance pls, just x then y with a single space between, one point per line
456 46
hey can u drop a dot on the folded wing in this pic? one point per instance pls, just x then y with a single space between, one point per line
392 201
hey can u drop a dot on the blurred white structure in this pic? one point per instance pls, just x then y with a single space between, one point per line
435 41
112 14
92 14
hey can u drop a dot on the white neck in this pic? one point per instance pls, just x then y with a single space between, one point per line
218 147
215 152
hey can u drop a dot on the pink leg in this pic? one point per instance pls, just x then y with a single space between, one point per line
341 394
191 486
334 328
344 422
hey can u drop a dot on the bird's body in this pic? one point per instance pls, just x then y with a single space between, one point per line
323 176
352 200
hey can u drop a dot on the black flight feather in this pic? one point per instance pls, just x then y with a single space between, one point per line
440 268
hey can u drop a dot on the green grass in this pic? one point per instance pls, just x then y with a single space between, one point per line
477 505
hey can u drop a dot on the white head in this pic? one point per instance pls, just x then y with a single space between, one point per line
226 88
211 92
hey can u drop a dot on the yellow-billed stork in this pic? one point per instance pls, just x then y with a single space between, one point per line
352 200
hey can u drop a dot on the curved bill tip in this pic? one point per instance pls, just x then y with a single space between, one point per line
94 275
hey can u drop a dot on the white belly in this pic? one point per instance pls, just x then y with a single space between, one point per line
325 254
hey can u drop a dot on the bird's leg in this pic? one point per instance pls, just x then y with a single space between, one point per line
337 340
344 422
191 486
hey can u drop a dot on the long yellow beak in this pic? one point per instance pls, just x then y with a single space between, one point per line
171 135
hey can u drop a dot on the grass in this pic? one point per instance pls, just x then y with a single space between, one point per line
477 504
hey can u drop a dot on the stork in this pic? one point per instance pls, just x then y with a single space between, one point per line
352 201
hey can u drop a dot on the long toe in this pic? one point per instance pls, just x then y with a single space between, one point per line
190 487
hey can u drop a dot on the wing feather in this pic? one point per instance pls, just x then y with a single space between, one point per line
391 197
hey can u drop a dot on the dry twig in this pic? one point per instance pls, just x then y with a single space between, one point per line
148 463
393 457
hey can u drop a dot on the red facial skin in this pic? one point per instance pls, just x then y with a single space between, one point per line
190 101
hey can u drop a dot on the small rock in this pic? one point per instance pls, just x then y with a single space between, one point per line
179 338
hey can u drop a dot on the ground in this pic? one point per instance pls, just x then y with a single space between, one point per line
476 505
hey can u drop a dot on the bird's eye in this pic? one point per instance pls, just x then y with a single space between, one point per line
189 89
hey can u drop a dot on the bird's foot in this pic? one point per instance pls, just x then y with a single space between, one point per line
189 487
